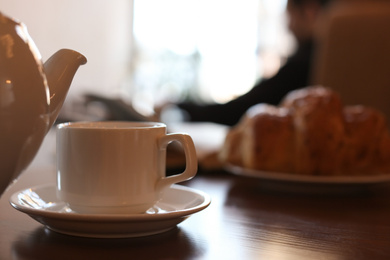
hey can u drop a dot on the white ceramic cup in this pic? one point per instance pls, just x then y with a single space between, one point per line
116 167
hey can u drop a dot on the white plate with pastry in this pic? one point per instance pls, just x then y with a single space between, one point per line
310 138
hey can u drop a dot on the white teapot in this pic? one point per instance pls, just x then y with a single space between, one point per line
31 96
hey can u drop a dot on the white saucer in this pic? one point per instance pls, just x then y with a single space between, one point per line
177 204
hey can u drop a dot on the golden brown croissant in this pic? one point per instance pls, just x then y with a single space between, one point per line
310 133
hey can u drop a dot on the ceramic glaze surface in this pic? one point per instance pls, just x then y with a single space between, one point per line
176 205
116 167
31 95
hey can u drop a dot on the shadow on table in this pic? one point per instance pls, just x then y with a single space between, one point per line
349 225
46 244
353 206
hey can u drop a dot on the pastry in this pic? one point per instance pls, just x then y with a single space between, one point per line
310 133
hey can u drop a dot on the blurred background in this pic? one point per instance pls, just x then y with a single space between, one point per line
148 52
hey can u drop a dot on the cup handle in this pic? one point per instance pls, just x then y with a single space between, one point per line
190 155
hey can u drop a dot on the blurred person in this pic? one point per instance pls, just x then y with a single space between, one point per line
294 74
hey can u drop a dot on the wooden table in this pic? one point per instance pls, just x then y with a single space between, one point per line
244 221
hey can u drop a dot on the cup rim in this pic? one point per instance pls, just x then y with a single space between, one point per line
110 125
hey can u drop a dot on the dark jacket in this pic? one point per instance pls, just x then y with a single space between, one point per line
294 74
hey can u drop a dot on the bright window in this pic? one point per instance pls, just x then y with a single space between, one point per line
205 50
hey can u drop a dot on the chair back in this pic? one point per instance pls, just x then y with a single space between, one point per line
353 55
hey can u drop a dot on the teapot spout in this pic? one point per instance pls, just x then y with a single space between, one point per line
60 69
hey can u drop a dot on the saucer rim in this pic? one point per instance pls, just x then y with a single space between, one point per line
111 217
112 225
